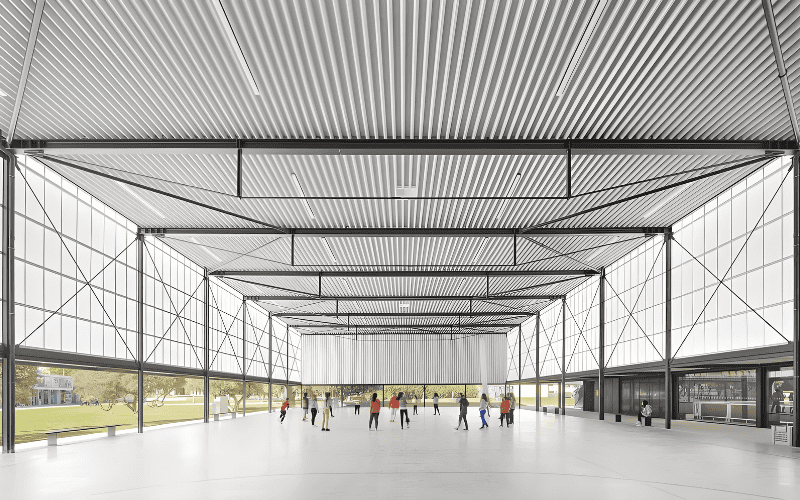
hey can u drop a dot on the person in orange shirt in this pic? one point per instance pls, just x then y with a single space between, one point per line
394 404
505 408
374 410
284 407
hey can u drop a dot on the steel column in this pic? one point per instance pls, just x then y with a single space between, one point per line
668 330
601 390
9 339
519 345
796 365
538 388
206 347
269 359
140 332
563 355
244 357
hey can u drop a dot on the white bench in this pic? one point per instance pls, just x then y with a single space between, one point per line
52 436
231 413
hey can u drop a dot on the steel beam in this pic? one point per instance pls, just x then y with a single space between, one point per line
349 329
404 315
33 35
407 274
244 357
333 147
385 232
206 347
8 334
538 381
140 332
772 26
563 356
269 359
386 298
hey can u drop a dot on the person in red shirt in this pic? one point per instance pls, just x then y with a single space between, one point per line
284 407
394 404
374 410
505 408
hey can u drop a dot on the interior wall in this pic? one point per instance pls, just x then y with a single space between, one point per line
401 359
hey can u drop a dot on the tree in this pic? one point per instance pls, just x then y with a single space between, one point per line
108 387
25 377
158 387
230 388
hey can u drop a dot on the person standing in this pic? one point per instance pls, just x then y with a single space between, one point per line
374 410
462 415
358 405
415 404
484 408
510 417
401 403
327 411
393 405
305 406
436 403
284 407
504 408
312 406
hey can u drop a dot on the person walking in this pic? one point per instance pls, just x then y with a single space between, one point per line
393 405
374 410
305 406
358 405
463 404
436 403
327 411
401 403
484 408
284 407
505 406
415 403
312 406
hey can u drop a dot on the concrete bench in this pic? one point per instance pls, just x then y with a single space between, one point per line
231 413
52 436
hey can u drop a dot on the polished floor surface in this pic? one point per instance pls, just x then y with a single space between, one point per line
542 456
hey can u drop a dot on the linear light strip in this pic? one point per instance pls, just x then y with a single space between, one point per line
597 13
663 202
237 49
299 188
141 200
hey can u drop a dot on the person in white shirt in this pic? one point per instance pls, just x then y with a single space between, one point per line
327 410
484 409
415 404
436 403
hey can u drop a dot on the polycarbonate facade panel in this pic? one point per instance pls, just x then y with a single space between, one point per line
512 355
256 334
550 339
225 328
529 349
402 359
744 238
173 307
634 306
582 326
280 332
294 344
75 268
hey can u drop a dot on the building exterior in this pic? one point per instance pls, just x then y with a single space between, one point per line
53 390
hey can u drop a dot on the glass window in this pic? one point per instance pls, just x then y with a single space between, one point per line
782 395
171 399
724 397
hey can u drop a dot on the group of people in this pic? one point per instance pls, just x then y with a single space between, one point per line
399 401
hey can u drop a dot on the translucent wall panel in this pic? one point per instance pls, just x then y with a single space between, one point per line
173 307
293 345
550 340
75 268
744 238
257 340
582 327
225 328
634 306
529 348
512 355
279 349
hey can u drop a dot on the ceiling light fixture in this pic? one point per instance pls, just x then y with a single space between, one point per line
658 206
299 188
404 305
141 200
3 94
406 191
510 192
586 36
237 49
330 250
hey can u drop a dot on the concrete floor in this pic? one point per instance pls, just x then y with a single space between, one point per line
542 456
